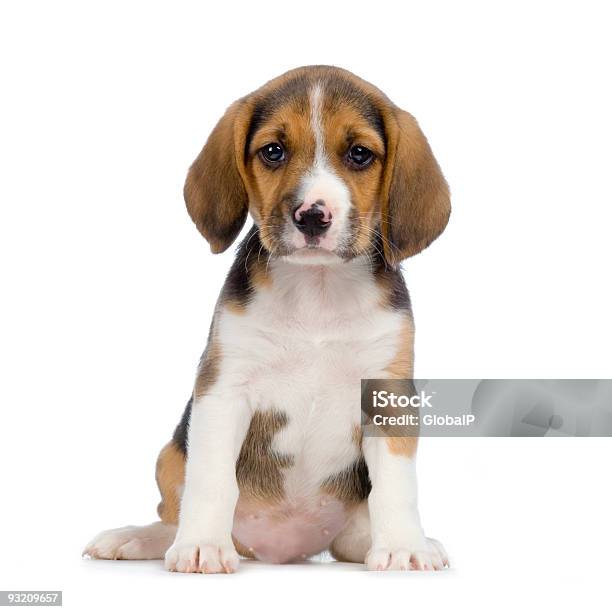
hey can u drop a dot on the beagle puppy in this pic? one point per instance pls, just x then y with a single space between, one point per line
268 460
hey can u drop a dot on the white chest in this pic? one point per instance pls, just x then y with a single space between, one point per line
301 347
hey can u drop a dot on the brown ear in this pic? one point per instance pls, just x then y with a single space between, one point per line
214 191
416 200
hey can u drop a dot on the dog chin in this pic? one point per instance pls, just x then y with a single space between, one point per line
313 256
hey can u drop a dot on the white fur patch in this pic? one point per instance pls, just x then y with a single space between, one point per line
316 124
322 183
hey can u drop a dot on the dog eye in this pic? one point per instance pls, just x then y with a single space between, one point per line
359 157
272 153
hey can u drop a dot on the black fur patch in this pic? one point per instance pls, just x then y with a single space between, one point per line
238 287
182 429
399 298
351 485
392 278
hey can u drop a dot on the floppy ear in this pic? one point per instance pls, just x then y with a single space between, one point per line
416 200
214 191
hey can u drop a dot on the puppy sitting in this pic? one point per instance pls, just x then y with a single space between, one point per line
268 460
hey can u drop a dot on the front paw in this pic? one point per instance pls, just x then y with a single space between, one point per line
428 556
201 557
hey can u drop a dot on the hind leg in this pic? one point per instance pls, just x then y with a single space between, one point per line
353 543
131 542
148 541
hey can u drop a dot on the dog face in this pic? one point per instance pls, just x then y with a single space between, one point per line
328 168
315 169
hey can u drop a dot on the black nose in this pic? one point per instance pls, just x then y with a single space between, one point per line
311 222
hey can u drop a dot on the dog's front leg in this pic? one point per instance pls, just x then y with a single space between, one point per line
398 541
203 543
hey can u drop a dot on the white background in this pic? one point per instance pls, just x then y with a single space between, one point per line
108 289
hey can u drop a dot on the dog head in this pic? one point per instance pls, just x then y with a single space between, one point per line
328 168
